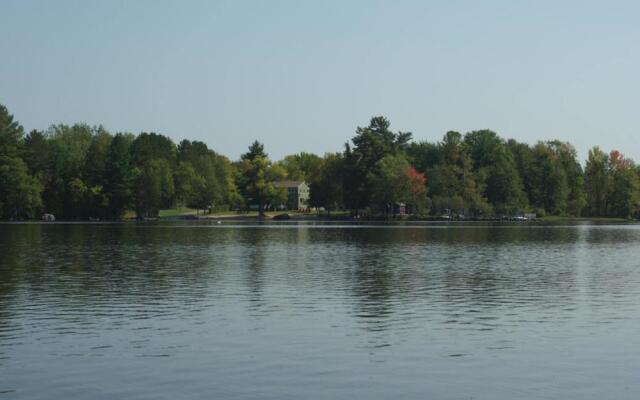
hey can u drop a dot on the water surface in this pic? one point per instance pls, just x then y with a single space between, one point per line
440 311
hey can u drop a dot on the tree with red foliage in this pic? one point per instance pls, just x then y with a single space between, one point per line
417 185
394 180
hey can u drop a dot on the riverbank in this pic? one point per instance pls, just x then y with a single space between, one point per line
187 214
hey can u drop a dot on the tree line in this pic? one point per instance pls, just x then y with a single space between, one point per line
84 172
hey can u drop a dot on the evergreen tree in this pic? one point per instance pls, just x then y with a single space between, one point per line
258 176
370 145
19 191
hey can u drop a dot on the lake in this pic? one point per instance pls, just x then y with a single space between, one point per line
313 311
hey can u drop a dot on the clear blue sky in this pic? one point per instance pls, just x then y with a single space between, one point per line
301 75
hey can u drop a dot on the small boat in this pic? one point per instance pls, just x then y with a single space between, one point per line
48 217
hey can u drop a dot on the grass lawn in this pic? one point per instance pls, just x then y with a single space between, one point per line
252 214
170 212
174 212
183 211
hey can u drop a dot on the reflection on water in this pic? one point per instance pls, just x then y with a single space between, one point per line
319 311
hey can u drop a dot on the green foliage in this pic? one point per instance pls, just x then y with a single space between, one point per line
96 157
151 146
11 133
597 182
424 155
624 195
118 176
551 175
612 185
454 186
19 191
484 147
153 187
302 167
80 171
496 166
190 187
257 179
549 188
205 180
370 145
65 160
389 182
83 172
35 153
567 156
454 204
327 188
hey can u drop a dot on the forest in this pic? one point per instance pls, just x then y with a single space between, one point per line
80 172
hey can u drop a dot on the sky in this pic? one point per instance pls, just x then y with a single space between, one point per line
302 75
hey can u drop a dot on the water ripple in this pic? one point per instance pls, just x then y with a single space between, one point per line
319 311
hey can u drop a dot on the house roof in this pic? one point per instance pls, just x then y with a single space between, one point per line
288 184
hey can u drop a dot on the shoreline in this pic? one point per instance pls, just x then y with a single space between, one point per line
338 218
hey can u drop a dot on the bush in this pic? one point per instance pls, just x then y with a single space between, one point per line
540 212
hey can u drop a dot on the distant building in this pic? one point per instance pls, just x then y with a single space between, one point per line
297 194
397 209
400 209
